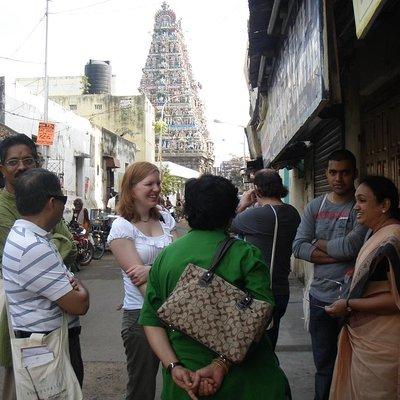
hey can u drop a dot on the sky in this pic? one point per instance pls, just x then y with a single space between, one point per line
120 31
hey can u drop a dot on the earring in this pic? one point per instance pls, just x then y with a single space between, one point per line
383 211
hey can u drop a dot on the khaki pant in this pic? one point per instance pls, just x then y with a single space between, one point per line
142 363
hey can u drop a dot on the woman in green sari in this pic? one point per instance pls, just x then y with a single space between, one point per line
190 369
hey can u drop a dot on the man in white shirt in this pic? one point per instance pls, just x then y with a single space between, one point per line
38 286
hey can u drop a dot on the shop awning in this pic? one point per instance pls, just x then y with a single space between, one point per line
112 162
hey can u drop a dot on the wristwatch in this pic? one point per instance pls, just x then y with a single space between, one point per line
172 365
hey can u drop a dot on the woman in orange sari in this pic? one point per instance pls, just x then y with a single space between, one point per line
368 361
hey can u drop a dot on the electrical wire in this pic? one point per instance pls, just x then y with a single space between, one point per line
81 8
33 119
18 60
27 38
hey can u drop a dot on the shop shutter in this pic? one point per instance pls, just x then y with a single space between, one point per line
328 138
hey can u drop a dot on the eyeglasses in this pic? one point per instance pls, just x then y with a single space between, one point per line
342 293
27 162
59 197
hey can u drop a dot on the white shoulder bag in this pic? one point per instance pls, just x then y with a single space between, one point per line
42 366
271 265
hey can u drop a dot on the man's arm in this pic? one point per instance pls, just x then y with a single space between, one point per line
347 247
302 246
75 302
6 223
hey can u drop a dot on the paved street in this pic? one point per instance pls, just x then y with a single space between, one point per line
102 349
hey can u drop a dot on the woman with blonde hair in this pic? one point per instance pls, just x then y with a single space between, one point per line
137 236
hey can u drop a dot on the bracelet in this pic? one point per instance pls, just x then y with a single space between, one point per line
172 365
223 363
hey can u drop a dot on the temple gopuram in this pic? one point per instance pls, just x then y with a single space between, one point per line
169 84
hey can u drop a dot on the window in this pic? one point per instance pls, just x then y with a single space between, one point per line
73 107
98 106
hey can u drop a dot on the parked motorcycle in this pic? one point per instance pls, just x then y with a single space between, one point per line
99 238
84 245
100 222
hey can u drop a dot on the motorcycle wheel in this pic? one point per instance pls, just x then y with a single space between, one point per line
98 250
87 255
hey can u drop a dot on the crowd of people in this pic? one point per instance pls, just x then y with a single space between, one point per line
350 236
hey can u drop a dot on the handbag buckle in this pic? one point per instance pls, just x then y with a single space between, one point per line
245 302
206 279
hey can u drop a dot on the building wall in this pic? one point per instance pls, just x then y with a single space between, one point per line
130 117
58 86
120 149
77 153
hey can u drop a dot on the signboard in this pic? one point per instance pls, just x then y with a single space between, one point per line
299 81
45 135
365 12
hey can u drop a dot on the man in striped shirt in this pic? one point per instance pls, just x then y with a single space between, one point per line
39 287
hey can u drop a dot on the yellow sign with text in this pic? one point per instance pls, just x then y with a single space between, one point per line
365 12
45 134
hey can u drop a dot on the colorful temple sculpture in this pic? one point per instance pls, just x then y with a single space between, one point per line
169 84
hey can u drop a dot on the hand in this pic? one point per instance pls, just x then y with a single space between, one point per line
187 380
248 198
337 309
349 275
138 274
74 283
211 377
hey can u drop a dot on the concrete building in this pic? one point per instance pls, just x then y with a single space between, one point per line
83 155
323 76
130 117
58 85
234 170
90 96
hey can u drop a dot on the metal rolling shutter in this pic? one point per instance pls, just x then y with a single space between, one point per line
329 137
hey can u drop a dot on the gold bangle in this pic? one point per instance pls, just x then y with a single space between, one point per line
223 363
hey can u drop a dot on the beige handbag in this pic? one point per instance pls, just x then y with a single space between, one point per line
42 367
212 311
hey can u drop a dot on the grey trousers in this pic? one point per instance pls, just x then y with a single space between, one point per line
142 363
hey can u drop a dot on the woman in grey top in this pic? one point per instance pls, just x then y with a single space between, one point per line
255 220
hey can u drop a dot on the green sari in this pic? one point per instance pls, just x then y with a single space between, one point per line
258 376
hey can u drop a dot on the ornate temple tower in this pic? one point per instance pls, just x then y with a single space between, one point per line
169 84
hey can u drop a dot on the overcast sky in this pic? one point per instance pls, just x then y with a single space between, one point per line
120 31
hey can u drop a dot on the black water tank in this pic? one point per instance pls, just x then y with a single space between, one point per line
98 74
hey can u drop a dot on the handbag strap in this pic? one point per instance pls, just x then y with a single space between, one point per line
219 254
271 267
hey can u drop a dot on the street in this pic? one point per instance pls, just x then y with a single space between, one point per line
103 354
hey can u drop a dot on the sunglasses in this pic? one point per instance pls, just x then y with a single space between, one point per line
60 197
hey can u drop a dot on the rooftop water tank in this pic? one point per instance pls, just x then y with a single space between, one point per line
98 74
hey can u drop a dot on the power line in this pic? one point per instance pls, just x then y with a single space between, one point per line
81 8
33 119
29 35
18 60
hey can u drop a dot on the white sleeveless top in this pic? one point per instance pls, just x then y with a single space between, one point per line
148 248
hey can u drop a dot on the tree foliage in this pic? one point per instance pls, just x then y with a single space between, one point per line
170 184
160 127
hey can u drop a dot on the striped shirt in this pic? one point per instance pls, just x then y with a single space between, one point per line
35 277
